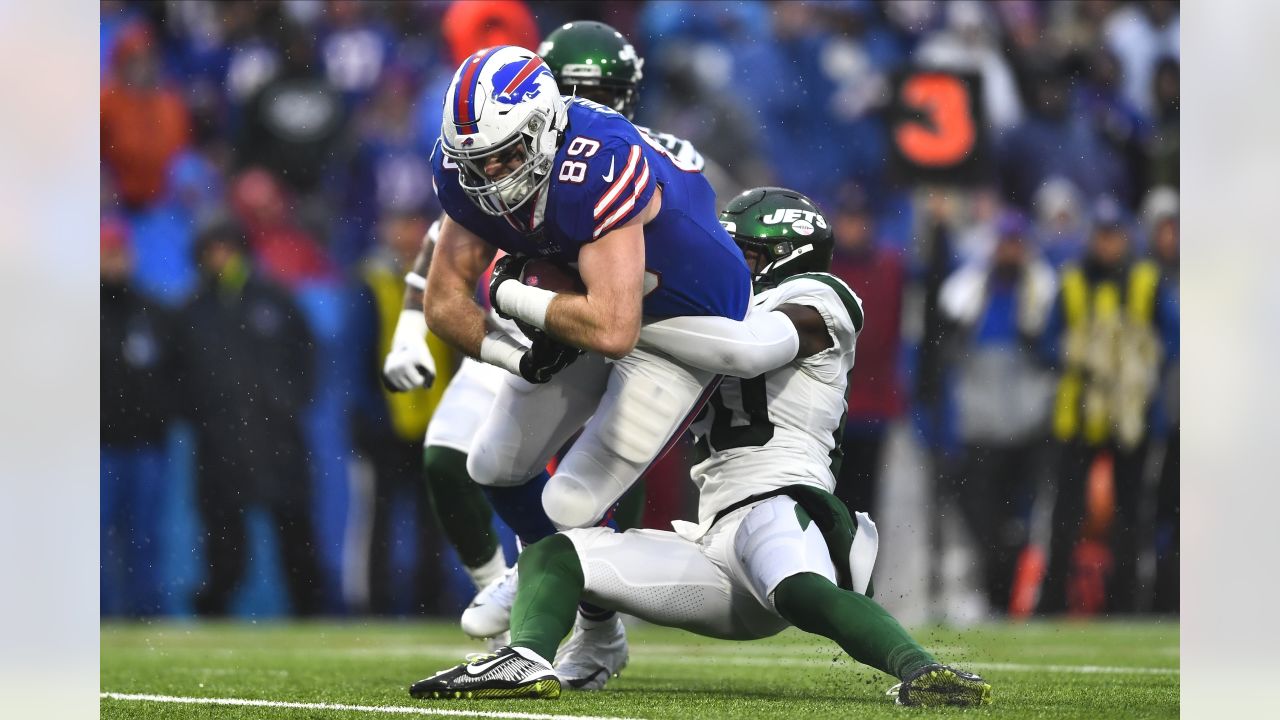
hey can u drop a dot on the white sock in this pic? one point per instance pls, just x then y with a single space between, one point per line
491 570
528 654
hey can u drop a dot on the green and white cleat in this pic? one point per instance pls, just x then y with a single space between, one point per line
941 686
510 673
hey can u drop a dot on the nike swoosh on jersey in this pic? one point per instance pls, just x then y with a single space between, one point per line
609 176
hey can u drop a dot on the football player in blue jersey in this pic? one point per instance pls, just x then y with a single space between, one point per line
591 60
523 169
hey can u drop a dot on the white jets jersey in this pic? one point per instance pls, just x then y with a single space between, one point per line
682 150
783 427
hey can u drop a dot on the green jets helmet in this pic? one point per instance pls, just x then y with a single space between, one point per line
783 229
593 61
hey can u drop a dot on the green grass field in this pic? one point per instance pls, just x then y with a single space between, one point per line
362 669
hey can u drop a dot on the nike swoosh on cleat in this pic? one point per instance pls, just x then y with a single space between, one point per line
482 669
583 681
609 176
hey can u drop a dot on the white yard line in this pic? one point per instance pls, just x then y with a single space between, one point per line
385 709
1086 669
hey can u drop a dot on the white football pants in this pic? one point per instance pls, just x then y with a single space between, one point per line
464 405
721 585
632 408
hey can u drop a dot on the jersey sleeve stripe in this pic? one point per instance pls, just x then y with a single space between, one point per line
641 183
852 303
616 189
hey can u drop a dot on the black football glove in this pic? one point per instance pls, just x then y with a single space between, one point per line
509 267
546 357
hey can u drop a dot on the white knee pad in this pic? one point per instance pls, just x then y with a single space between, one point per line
487 467
650 397
641 428
572 503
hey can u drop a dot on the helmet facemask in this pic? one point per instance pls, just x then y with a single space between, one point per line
774 257
536 142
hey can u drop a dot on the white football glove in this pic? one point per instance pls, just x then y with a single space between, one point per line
409 363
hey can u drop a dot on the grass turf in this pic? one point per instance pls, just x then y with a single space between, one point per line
1038 670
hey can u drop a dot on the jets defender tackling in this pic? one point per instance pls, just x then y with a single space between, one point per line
772 547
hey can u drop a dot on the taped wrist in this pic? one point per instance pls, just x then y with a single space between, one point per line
526 303
499 348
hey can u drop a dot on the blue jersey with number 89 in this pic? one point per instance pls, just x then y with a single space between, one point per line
606 172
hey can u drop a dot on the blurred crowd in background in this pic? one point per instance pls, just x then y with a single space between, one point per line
266 183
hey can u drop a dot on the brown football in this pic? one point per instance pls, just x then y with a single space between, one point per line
550 276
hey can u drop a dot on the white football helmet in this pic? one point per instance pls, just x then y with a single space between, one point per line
503 102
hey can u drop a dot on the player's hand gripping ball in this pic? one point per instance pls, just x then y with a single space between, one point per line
508 268
548 275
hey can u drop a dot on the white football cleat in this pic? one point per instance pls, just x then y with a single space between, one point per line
591 656
489 615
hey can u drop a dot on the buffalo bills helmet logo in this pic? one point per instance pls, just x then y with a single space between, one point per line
468 142
517 81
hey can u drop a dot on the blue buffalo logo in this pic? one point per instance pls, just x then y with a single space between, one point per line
517 81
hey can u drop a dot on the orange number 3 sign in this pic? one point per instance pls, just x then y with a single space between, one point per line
947 135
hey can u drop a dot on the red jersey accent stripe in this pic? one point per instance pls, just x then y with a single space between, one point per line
623 209
616 189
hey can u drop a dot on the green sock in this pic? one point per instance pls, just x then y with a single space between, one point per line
547 598
460 505
855 622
